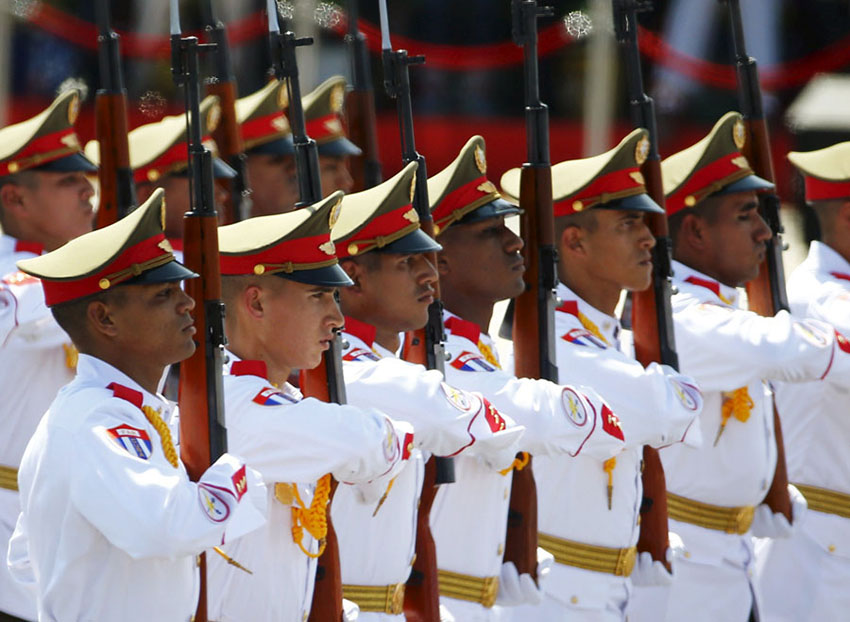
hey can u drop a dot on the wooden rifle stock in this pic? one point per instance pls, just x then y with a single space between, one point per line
766 294
360 107
203 435
228 139
111 134
117 189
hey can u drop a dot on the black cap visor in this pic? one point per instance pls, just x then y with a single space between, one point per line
638 202
339 147
493 209
414 242
279 146
221 170
69 164
167 273
329 276
746 184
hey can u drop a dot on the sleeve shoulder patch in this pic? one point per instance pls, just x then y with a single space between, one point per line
688 394
135 441
471 361
457 398
360 354
574 407
270 396
582 337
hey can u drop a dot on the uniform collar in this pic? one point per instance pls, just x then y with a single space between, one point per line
9 245
236 366
688 279
571 303
96 371
823 258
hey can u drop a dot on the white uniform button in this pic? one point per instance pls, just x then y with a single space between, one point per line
687 554
574 600
831 548
304 617
500 550
507 491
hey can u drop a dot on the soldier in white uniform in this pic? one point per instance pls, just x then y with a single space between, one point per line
323 114
110 523
279 277
814 421
381 248
45 200
479 265
603 243
159 157
268 149
715 492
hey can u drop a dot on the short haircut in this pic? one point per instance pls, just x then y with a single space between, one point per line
71 316
370 261
706 209
583 220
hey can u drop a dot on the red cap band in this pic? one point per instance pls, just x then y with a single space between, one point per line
823 190
286 256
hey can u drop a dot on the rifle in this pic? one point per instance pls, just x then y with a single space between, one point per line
766 294
652 315
360 108
117 189
534 309
423 346
326 381
228 135
203 436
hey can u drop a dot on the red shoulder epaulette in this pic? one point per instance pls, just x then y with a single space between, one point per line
136 398
463 328
249 368
569 306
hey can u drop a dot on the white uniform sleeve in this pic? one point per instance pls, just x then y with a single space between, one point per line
447 420
726 348
656 405
17 558
301 442
25 317
146 507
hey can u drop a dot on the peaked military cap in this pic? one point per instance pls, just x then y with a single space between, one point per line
323 117
45 142
160 148
461 192
610 180
382 219
265 128
713 166
826 171
296 245
130 251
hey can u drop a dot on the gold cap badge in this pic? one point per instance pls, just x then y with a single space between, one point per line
641 150
739 134
73 109
480 159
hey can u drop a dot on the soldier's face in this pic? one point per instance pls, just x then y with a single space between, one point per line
335 174
302 318
55 208
273 182
617 251
153 323
734 237
481 261
395 293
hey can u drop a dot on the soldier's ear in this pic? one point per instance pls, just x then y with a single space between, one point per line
442 264
354 271
100 320
252 301
692 232
11 199
572 239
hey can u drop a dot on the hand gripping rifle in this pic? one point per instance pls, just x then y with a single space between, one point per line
360 107
228 134
117 190
424 346
766 294
326 381
203 436
652 315
534 309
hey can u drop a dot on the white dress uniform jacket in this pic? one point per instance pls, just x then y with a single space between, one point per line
109 528
290 439
726 348
41 355
656 406
816 429
379 550
469 518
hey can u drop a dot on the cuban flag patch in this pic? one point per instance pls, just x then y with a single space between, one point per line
470 361
582 337
272 397
134 441
356 354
